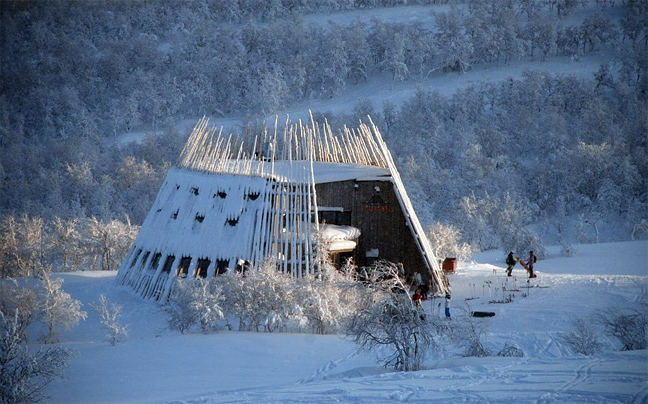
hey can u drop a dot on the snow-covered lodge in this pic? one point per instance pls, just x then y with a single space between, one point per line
234 202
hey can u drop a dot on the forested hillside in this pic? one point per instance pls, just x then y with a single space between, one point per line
509 163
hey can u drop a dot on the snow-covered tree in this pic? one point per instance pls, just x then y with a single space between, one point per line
19 301
446 242
207 300
64 244
195 301
455 47
388 321
58 308
110 313
24 374
328 297
108 243
181 315
359 57
272 305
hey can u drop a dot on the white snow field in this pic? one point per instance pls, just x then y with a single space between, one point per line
155 365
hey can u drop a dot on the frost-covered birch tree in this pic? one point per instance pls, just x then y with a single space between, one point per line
388 323
110 313
58 308
24 374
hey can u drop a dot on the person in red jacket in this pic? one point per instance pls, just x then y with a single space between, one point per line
416 298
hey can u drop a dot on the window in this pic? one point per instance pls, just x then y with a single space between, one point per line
372 256
221 267
183 268
167 263
156 260
135 258
339 217
146 255
203 265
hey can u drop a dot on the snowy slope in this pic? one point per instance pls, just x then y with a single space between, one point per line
158 366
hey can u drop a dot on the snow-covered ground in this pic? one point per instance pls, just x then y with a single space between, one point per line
159 366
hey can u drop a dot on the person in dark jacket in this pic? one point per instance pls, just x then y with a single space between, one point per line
510 262
531 263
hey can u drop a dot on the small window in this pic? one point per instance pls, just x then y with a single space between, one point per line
242 265
183 268
372 256
156 260
342 218
146 255
135 258
203 265
221 267
168 263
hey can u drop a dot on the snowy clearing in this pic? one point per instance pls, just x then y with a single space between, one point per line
158 366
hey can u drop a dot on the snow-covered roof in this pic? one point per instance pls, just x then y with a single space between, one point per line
334 232
196 213
339 238
329 172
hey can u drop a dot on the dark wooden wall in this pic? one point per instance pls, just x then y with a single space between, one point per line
376 212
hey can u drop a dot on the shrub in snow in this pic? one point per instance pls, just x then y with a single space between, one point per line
58 308
327 298
110 313
178 307
194 301
582 339
511 350
23 374
471 334
628 326
206 301
262 298
387 320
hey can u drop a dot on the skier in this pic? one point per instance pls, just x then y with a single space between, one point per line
510 262
532 261
447 305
